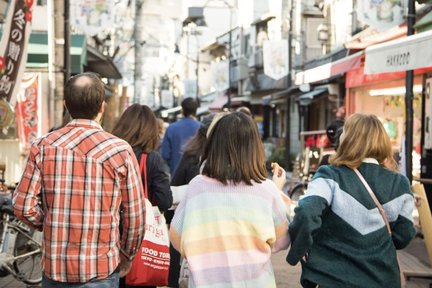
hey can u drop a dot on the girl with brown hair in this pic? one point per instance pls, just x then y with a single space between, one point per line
138 126
232 217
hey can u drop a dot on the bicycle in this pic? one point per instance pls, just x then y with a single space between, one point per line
20 246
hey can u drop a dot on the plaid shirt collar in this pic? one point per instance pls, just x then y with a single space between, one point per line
87 123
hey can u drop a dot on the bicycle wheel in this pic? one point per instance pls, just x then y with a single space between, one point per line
28 268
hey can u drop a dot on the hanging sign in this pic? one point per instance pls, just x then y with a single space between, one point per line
276 58
220 75
27 110
13 48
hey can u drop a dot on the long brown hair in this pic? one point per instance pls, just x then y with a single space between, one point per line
234 151
363 137
138 126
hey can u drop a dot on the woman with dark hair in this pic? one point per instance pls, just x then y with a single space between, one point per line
138 126
355 214
232 217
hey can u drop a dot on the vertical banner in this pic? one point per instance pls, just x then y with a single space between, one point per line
275 58
27 110
189 88
13 48
220 75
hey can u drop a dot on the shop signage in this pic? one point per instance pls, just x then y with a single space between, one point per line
13 48
27 110
400 55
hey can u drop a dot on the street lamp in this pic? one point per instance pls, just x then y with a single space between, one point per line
191 23
196 15
323 36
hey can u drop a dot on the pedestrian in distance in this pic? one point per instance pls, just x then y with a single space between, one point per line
178 133
338 232
232 217
333 132
74 183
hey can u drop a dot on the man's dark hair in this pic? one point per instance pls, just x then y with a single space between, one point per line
334 130
189 106
84 95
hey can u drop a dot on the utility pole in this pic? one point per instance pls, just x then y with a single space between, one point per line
59 47
409 95
138 50
229 59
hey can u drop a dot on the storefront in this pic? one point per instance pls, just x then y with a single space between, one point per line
378 87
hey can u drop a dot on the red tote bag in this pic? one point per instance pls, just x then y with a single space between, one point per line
151 264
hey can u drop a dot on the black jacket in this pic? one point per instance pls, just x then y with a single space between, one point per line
158 180
186 170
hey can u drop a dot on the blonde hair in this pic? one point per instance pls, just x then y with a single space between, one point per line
363 137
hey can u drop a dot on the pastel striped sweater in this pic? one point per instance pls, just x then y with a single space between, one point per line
228 232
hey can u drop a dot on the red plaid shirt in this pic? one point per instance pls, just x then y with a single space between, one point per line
74 183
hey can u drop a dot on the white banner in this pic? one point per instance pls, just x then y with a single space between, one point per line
189 88
275 58
220 75
400 54
381 14
91 16
167 100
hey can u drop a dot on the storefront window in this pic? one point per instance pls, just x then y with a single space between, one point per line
390 109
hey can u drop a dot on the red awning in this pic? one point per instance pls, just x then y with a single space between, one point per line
218 103
329 70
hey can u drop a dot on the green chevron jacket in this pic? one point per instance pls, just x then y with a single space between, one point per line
339 227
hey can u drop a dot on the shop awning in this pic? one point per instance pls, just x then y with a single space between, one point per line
101 64
403 54
38 51
218 103
329 70
306 99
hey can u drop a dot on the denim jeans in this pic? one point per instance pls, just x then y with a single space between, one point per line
112 281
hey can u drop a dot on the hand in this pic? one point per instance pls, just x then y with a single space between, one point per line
124 266
418 199
279 175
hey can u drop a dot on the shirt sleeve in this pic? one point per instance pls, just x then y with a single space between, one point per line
133 207
26 198
308 214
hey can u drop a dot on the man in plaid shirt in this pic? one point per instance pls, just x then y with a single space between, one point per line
76 180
